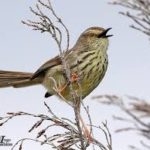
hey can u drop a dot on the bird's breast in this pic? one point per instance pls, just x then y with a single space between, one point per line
89 69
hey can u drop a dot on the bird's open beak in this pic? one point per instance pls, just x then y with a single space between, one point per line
106 31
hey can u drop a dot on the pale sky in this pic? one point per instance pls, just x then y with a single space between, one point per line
25 50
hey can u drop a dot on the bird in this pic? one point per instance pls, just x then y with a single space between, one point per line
81 69
87 62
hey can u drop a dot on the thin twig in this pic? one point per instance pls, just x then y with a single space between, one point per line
139 12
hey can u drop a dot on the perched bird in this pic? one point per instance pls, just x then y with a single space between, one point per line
87 62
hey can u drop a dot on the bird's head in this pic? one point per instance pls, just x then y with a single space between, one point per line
94 37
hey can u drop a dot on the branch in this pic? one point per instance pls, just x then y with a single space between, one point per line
45 24
137 111
68 139
139 12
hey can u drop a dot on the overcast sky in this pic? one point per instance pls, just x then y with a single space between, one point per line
25 50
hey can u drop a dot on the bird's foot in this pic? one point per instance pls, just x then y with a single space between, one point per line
74 77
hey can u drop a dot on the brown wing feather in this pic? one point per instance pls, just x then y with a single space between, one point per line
49 64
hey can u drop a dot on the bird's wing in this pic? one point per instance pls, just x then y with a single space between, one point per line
49 64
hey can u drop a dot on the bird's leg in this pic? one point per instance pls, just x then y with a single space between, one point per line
62 88
85 130
74 78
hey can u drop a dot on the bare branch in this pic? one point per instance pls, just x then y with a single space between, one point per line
137 111
67 140
139 12
45 24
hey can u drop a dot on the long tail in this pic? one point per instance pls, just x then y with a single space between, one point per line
17 79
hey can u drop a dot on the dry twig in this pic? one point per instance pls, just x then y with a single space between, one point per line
70 139
139 12
45 24
138 112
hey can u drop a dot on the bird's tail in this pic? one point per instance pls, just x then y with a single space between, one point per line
17 79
